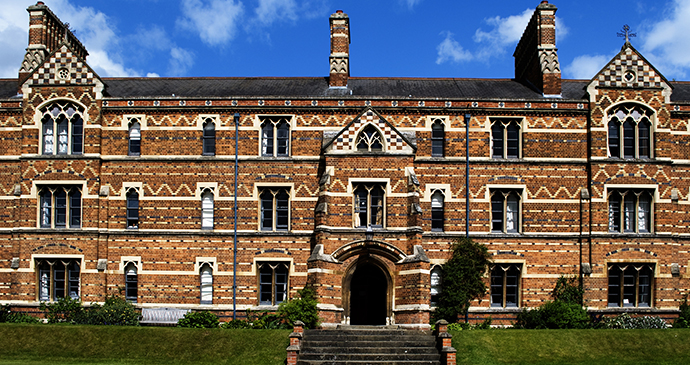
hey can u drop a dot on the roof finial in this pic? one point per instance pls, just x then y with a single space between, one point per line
626 33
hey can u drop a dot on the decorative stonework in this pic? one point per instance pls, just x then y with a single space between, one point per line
629 69
32 59
64 59
392 139
548 58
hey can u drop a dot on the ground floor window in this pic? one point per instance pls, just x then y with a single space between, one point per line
436 282
58 278
630 285
505 285
273 282
131 282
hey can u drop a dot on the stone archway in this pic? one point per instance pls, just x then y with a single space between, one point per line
368 292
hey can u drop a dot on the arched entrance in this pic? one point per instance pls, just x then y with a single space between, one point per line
368 299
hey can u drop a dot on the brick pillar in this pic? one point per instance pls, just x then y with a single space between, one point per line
340 50
295 343
444 343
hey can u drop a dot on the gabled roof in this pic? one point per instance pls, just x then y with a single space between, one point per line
63 57
629 69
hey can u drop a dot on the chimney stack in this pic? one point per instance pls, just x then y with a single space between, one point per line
536 59
340 50
46 34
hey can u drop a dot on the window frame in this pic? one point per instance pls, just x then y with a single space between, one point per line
134 137
277 288
438 212
501 282
501 215
207 210
500 141
435 285
206 288
132 217
270 210
131 272
50 209
275 133
208 144
367 208
624 220
618 290
65 115
369 135
438 138
625 138
53 280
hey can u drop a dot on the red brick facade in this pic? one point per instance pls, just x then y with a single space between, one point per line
330 183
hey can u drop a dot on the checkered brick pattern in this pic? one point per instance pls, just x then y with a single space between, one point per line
79 73
615 74
392 141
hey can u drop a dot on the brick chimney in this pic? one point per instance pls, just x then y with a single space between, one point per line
536 59
46 34
340 50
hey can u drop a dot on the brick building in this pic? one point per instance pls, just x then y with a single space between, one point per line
355 185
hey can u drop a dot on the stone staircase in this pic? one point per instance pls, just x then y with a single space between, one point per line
359 345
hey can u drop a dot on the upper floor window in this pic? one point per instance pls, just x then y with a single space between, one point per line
206 288
134 148
275 209
62 129
60 207
132 209
505 138
207 209
437 217
58 278
209 138
630 285
369 205
131 282
505 285
273 282
438 136
630 211
275 137
369 140
505 211
629 132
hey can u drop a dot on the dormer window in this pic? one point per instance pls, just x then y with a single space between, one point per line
370 140
629 132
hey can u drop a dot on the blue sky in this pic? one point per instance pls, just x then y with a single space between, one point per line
390 38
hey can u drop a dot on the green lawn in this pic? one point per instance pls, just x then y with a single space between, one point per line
70 344
508 346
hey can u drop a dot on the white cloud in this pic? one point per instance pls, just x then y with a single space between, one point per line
450 50
180 61
666 43
269 11
586 66
152 74
214 20
411 3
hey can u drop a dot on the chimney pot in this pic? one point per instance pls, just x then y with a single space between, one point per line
339 11
40 3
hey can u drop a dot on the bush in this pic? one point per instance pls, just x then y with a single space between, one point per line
116 311
236 324
203 319
269 321
6 316
65 310
462 326
301 309
568 290
683 320
553 315
625 321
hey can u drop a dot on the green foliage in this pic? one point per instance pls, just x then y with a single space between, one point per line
625 321
7 316
268 321
462 279
236 324
65 310
683 320
203 319
301 309
568 290
116 311
462 326
554 315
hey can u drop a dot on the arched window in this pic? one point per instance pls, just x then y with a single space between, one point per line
275 137
505 285
633 123
59 207
505 211
132 209
436 284
437 139
206 288
369 206
134 138
209 138
437 200
131 282
630 211
630 284
62 129
370 140
505 138
58 278
275 209
207 209
273 282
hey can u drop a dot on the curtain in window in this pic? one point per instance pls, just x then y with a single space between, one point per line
206 285
643 213
629 213
512 213
207 210
63 135
48 141
267 139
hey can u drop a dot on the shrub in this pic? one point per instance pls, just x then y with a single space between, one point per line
236 324
462 326
683 320
553 315
64 310
270 321
625 321
116 311
568 290
7 316
203 319
301 309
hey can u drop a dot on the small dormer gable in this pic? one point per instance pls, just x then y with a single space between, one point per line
369 132
629 69
63 67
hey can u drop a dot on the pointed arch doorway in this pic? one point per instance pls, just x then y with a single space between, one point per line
369 288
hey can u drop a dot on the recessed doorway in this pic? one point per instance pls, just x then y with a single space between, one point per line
368 295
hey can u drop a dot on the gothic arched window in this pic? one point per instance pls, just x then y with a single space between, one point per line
630 132
369 140
62 130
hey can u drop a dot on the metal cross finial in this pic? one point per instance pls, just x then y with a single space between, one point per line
626 33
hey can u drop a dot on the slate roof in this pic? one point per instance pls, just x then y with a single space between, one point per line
317 87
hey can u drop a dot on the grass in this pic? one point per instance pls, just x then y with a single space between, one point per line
669 346
70 344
